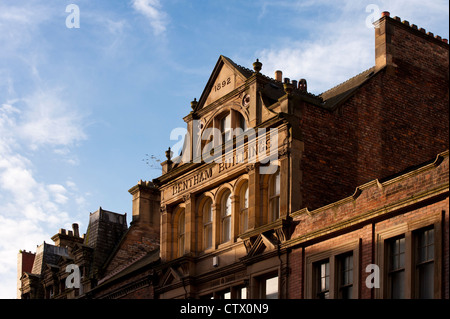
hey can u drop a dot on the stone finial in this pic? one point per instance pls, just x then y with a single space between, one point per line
257 66
194 104
169 154
288 87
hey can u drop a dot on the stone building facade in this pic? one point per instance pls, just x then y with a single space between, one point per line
280 193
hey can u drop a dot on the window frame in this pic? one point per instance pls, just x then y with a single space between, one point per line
273 196
400 268
225 217
243 207
181 233
409 229
341 270
207 223
319 276
418 264
333 255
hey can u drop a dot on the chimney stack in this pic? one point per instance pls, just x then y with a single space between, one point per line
146 203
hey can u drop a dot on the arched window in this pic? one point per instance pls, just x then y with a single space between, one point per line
207 224
243 203
226 216
181 234
274 197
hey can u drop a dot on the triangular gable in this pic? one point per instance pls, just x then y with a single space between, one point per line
261 243
226 76
170 277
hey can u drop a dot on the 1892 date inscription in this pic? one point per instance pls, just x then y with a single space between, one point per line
222 84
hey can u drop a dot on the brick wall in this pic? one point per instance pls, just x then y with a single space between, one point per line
414 199
397 119
139 240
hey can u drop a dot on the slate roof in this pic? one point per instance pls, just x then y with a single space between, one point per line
338 94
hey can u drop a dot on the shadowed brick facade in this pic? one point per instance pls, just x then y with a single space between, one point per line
360 179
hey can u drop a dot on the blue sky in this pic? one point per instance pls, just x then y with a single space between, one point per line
80 108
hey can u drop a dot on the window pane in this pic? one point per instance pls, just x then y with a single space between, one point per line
207 212
397 254
242 123
425 266
226 226
225 126
275 187
398 285
208 236
274 208
347 270
226 123
181 224
402 252
272 288
426 245
426 281
322 274
226 204
397 267
245 199
345 276
181 245
244 220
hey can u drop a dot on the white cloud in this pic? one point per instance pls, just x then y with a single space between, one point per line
151 9
323 64
30 209
341 47
48 120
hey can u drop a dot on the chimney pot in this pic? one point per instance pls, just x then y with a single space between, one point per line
385 14
278 75
302 85
75 228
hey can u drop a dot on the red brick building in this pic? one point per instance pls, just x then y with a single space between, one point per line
348 198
